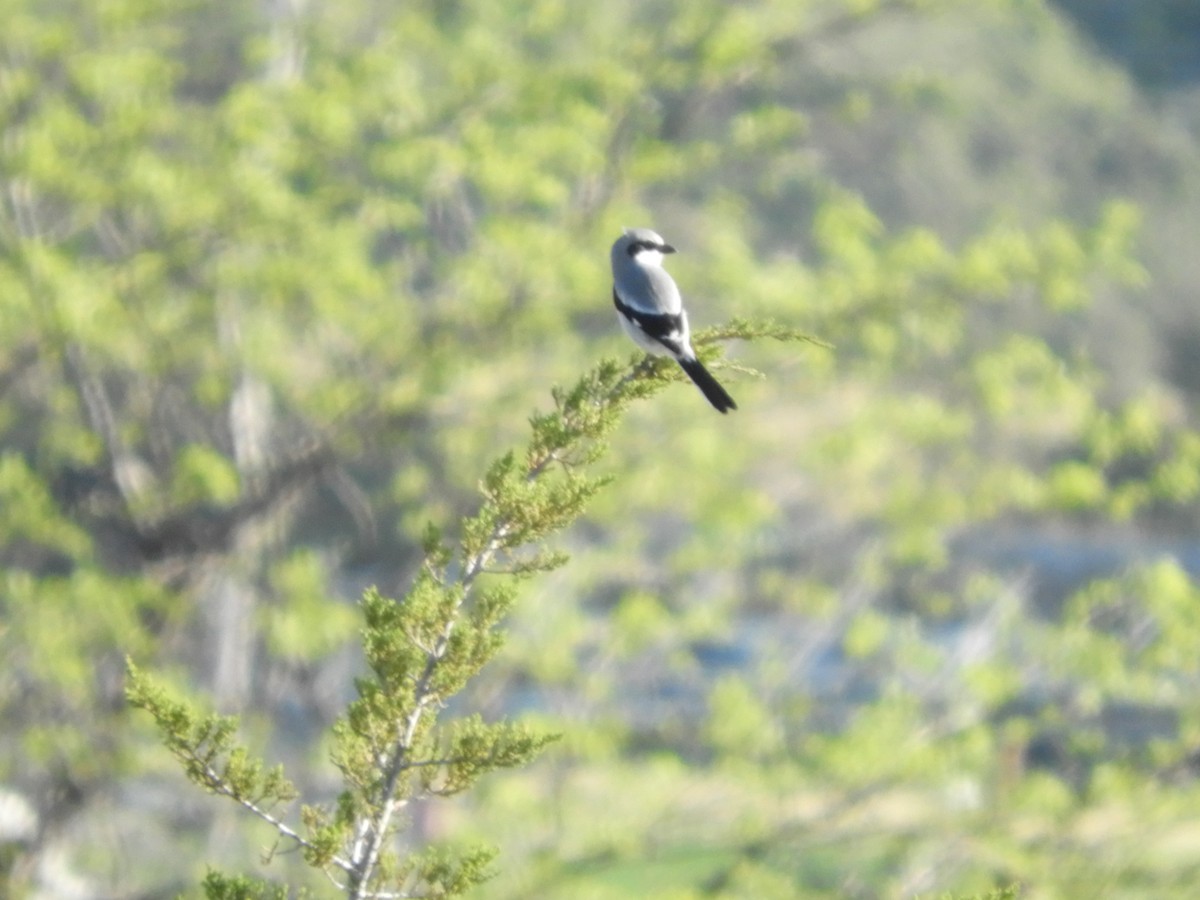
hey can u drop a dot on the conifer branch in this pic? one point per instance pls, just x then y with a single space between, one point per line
423 649
217 784
583 414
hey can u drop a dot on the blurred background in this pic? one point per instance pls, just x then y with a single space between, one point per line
277 279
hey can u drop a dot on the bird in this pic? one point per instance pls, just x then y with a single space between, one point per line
650 308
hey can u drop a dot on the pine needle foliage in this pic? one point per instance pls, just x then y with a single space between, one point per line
394 745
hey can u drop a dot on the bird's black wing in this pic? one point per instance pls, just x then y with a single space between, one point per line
666 328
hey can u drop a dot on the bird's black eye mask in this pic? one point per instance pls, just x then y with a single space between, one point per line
638 246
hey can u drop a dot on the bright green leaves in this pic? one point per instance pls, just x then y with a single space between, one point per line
845 230
768 126
740 724
1022 379
61 630
519 511
300 583
1177 479
1075 487
67 621
955 406
203 476
526 499
441 872
87 99
1137 636
239 887
398 637
1126 460
866 635
1113 243
472 748
30 514
205 746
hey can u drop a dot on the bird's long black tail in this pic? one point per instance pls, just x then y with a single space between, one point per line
710 387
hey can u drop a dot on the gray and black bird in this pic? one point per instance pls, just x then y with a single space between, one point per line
651 311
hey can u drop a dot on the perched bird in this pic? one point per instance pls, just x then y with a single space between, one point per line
651 311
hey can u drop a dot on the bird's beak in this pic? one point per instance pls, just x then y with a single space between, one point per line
666 248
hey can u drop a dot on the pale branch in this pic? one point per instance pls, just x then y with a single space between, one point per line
372 834
390 895
337 884
217 783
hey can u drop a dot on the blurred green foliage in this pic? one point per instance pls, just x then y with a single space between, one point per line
276 283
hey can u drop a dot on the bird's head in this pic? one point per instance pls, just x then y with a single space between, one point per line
641 245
